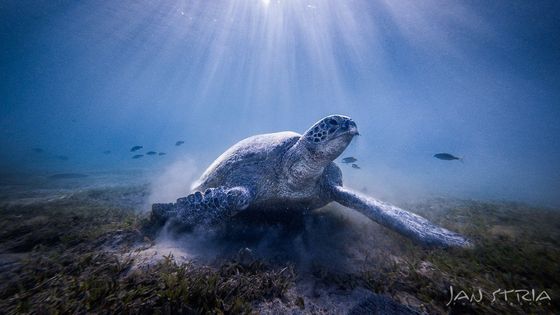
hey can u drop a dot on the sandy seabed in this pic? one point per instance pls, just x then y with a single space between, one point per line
86 244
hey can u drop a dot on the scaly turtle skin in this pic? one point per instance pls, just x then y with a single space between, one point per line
286 170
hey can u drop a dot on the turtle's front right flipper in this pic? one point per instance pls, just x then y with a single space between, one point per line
210 207
399 220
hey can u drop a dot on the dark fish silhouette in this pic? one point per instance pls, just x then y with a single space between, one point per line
136 148
62 157
178 143
161 153
447 157
356 166
107 152
67 176
349 159
151 153
38 150
137 156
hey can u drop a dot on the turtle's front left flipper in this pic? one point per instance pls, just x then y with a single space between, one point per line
399 220
210 207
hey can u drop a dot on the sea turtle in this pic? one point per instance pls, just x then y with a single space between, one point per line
286 170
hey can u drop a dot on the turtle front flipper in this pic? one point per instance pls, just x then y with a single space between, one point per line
208 208
406 223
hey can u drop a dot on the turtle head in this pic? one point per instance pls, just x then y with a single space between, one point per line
330 136
306 161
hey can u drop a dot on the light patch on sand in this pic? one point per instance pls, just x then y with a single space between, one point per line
162 248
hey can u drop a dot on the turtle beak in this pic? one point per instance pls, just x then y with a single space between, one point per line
348 127
352 128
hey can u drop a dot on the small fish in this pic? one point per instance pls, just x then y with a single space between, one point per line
178 143
349 159
161 153
136 148
62 157
447 157
107 152
38 150
356 166
151 153
137 156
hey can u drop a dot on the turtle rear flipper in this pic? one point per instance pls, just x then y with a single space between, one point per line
406 223
161 212
210 207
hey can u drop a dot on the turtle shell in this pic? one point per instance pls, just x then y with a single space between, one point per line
253 162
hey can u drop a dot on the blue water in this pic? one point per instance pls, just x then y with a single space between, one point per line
477 79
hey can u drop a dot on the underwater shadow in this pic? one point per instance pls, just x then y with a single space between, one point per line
325 238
